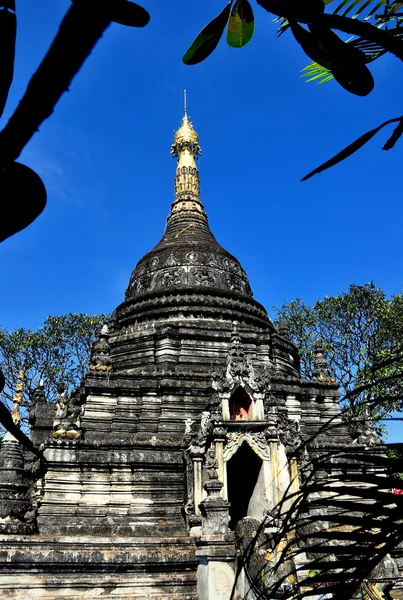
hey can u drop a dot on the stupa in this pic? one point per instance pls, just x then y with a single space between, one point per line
186 426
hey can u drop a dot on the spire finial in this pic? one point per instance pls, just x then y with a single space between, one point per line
187 150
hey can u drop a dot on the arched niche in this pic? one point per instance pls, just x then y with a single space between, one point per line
240 405
245 485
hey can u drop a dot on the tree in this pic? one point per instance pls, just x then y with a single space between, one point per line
362 334
57 353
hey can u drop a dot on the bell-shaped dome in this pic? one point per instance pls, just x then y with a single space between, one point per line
188 256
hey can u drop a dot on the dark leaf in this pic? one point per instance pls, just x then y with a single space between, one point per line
397 133
8 33
208 38
241 24
131 14
23 198
10 4
345 61
355 78
350 149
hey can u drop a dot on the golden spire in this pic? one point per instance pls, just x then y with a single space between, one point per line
187 183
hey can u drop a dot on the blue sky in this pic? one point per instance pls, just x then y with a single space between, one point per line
104 158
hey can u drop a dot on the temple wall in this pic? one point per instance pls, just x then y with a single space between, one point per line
138 491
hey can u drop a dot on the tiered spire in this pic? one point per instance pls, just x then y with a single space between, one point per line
187 183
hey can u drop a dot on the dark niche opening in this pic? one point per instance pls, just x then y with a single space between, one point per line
240 405
242 474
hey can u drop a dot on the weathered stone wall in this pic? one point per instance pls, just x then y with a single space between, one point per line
92 567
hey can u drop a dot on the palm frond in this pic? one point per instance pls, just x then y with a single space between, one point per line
372 51
356 8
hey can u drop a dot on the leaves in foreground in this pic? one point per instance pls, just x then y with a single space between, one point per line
336 532
357 144
241 24
8 33
130 14
206 41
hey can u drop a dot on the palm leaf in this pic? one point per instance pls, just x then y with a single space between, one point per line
355 8
372 51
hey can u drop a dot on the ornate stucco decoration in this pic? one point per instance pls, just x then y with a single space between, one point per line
68 413
257 441
18 397
100 363
240 371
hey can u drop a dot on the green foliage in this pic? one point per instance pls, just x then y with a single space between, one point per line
241 24
206 41
378 12
58 352
395 452
362 335
240 30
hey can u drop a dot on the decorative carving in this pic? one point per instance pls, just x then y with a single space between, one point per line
206 427
38 394
59 424
147 271
18 397
214 407
211 464
362 429
67 421
239 369
188 426
272 420
171 261
192 256
204 277
220 383
100 360
288 432
235 284
257 441
189 507
143 284
171 277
